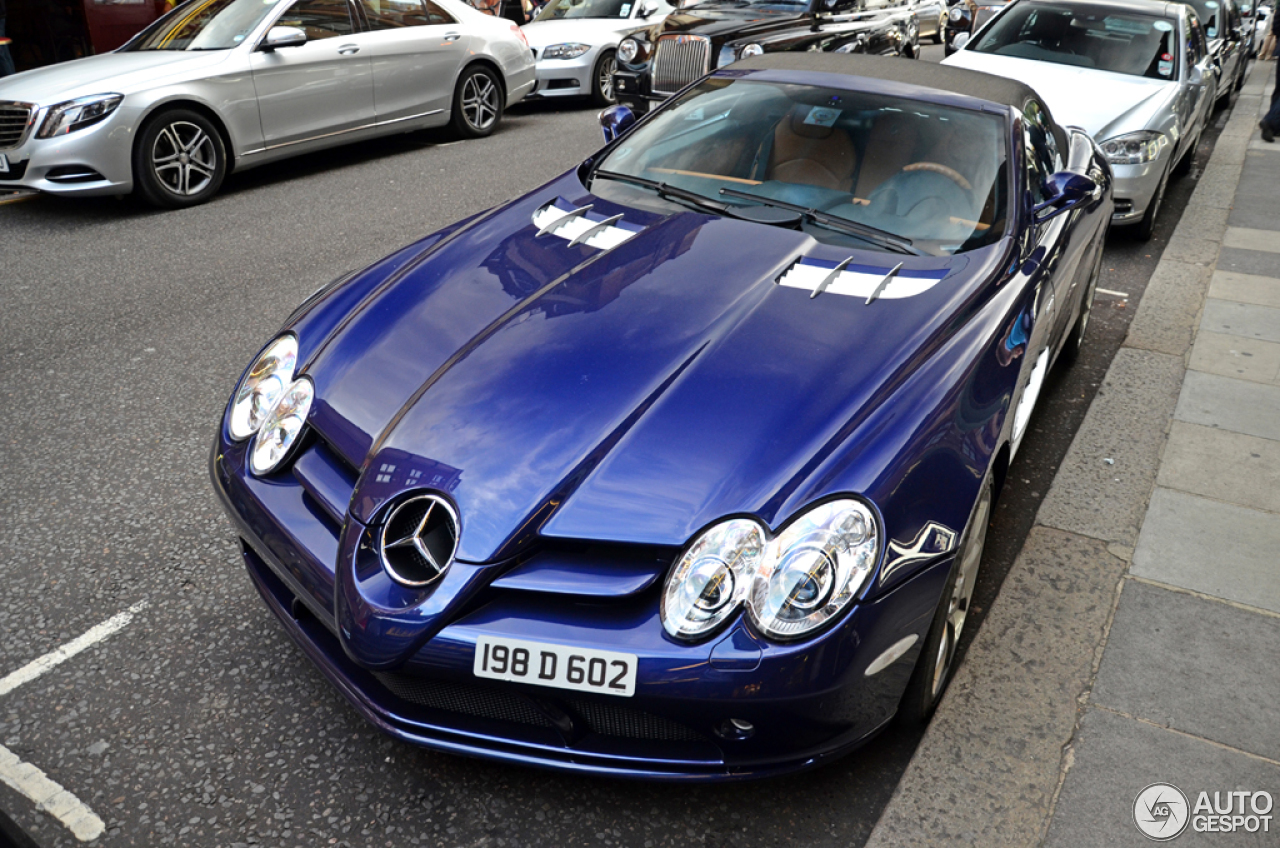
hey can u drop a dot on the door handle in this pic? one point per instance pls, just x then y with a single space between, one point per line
348 49
451 37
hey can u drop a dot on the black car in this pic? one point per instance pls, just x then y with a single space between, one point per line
653 64
967 16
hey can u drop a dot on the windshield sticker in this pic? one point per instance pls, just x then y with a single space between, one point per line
821 116
1165 66
1211 4
1212 32
625 10
1163 26
695 115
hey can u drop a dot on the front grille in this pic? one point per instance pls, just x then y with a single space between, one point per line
628 723
679 60
463 698
14 119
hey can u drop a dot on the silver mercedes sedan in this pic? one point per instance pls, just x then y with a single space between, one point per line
1136 75
222 85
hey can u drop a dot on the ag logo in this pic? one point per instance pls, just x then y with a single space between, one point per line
1161 811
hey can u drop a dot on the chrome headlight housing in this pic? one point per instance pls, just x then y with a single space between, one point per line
565 51
791 585
77 114
749 50
279 433
956 13
628 50
1135 148
262 387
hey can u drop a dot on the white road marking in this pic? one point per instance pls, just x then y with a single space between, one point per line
25 778
93 636
1112 293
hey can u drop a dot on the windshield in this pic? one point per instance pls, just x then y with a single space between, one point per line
930 178
558 9
210 25
1207 11
1120 41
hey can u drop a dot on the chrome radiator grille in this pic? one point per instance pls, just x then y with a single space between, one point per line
679 60
14 118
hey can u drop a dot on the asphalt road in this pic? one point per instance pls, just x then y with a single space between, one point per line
122 331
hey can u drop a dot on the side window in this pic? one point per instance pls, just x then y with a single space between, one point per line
1195 41
319 19
1041 150
437 15
394 14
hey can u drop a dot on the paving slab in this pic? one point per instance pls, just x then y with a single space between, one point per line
1261 262
1245 288
1236 356
1166 316
1230 404
1219 549
1201 221
988 765
1241 319
1231 467
1161 639
1194 250
1102 487
1249 238
1117 757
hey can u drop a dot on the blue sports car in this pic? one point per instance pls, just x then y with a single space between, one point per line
679 466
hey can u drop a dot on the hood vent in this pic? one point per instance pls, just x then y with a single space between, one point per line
579 225
870 283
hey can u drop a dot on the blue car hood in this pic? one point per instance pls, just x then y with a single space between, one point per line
631 394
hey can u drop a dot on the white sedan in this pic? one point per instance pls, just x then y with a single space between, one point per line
222 85
576 41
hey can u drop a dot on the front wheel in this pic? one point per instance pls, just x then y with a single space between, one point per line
477 102
1147 226
179 160
937 656
941 32
1071 350
602 88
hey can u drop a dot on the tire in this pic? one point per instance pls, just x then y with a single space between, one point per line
602 93
1147 225
1188 156
1244 72
933 669
477 102
940 34
1075 342
179 160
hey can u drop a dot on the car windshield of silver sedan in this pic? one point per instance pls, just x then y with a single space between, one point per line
847 167
216 25
1207 11
558 9
1115 40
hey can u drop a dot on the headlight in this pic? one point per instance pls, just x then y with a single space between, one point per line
78 114
750 50
565 51
791 585
280 431
1135 148
956 13
262 387
628 50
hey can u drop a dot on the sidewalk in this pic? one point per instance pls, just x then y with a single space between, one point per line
1136 640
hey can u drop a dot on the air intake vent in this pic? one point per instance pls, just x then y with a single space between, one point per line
628 723
464 698
581 226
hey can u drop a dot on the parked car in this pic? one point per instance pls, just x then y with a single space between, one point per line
654 64
1136 75
222 85
1228 41
931 19
576 42
681 465
968 16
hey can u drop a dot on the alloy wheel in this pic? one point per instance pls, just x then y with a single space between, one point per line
184 158
968 560
480 101
604 83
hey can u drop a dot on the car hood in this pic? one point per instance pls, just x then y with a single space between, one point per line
123 73
593 31
1102 103
721 23
627 395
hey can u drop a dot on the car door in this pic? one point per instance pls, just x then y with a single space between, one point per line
319 88
417 49
1201 94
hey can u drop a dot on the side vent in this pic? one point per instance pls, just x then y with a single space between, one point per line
582 226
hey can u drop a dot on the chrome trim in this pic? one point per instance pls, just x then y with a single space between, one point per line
560 219
933 540
14 106
590 231
342 132
879 288
678 60
830 278
415 540
574 226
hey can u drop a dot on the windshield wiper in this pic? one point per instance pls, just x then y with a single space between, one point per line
669 192
884 238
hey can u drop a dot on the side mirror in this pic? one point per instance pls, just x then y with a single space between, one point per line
961 39
282 36
646 9
1066 190
616 120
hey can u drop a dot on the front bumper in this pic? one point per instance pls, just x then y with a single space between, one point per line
95 160
634 90
809 702
1135 188
566 77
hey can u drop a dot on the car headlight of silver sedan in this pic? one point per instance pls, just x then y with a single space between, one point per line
565 51
77 114
1135 148
790 585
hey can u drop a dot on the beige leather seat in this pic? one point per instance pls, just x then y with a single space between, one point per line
811 154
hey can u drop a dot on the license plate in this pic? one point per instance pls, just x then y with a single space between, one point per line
4 164
583 669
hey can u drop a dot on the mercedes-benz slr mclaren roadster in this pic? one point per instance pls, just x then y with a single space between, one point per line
679 466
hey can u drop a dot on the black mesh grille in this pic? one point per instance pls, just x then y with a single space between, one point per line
464 698
628 723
